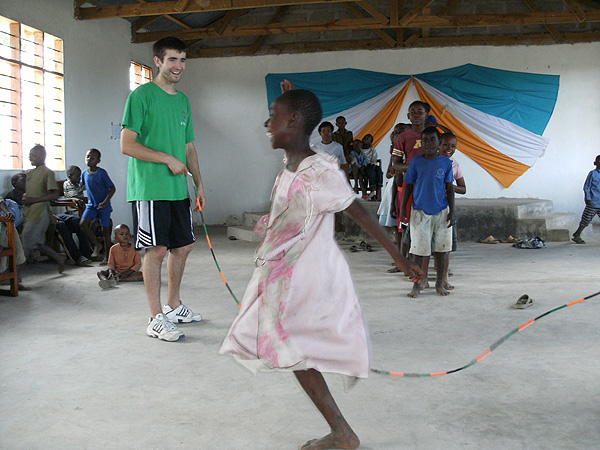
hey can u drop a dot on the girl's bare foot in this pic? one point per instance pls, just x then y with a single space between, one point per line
345 441
394 270
414 293
447 285
439 288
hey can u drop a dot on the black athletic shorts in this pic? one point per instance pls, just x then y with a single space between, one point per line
163 222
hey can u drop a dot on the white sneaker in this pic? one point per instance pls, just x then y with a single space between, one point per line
162 328
181 314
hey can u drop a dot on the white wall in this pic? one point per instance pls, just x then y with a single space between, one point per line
97 57
229 101
228 98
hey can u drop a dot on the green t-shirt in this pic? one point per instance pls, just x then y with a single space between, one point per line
164 123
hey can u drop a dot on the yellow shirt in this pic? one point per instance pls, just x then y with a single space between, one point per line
40 181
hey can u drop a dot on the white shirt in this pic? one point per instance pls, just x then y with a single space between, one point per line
334 149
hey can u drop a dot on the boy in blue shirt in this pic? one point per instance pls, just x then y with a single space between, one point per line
100 190
429 178
591 189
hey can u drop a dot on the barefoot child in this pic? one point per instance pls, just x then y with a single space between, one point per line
124 260
429 177
300 312
447 148
100 190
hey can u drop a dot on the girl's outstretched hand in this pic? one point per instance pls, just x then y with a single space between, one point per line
414 272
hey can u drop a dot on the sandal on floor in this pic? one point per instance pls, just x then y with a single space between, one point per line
523 302
368 248
353 249
578 240
510 240
489 240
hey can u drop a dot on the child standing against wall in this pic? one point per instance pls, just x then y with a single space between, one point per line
300 311
591 190
100 190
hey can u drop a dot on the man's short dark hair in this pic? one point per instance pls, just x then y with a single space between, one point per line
161 46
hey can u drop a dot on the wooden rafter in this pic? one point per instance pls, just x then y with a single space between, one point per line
162 8
382 34
260 39
142 22
180 5
395 12
478 20
221 24
446 9
409 16
575 9
373 12
551 28
376 44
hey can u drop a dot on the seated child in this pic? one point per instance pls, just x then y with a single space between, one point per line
73 189
40 190
18 183
100 189
429 177
591 190
359 167
374 172
124 261
19 253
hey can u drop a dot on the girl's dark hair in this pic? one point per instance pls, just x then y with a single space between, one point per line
306 104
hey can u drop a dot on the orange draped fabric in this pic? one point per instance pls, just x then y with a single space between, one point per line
385 120
503 168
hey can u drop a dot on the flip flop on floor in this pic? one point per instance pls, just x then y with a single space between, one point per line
510 240
353 249
489 240
523 302
368 248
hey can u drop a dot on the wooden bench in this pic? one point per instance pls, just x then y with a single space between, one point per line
11 253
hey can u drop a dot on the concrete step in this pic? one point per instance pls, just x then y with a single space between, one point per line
250 218
558 235
243 233
534 207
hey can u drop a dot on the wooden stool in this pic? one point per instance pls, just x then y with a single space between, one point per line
11 253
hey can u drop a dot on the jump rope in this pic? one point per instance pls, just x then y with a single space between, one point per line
479 358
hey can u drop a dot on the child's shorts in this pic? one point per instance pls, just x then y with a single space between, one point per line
103 214
164 222
429 233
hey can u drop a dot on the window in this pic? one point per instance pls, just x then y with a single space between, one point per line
31 95
138 74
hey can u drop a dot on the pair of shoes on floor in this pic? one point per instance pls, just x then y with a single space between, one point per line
108 283
489 240
163 325
578 240
366 247
523 302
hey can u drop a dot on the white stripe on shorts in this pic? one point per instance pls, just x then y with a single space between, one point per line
146 236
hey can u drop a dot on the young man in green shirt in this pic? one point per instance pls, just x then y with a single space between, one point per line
158 135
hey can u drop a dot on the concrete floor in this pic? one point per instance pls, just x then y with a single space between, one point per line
78 371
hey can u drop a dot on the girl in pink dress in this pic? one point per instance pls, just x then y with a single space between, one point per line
300 311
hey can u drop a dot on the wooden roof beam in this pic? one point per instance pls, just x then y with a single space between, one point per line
142 22
396 7
409 16
260 39
162 8
382 34
551 28
575 9
451 4
373 12
221 25
370 24
180 5
543 38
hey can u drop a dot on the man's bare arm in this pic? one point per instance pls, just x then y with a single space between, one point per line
131 147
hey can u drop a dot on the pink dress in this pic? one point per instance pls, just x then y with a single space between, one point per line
300 310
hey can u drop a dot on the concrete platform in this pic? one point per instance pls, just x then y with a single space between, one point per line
78 372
